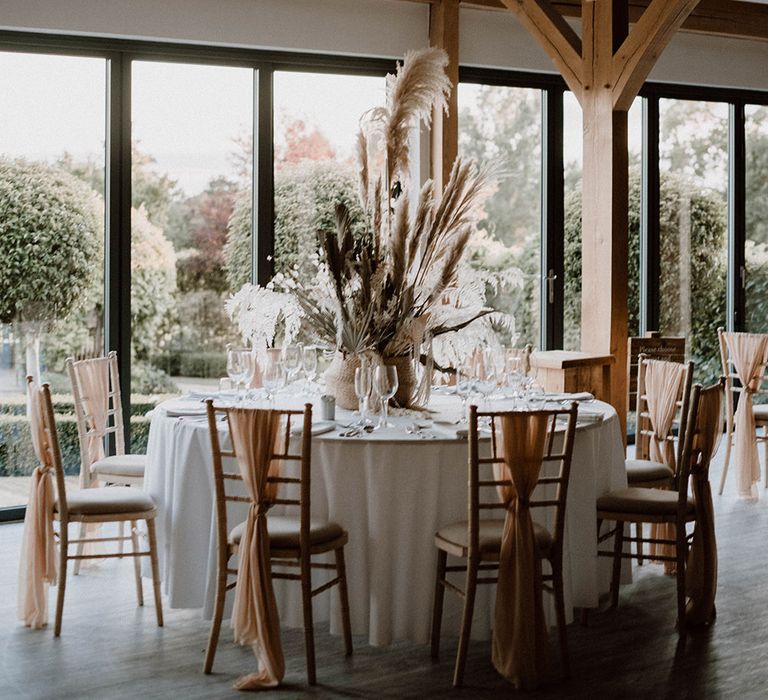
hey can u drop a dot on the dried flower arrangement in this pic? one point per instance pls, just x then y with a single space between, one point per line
404 277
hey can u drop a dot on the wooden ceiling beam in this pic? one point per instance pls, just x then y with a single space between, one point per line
555 36
742 20
641 49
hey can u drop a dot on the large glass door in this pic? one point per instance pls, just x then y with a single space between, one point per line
52 141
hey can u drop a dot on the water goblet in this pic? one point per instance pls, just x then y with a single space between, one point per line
309 366
386 381
464 386
272 378
292 356
236 369
363 390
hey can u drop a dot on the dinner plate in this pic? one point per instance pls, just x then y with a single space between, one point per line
183 409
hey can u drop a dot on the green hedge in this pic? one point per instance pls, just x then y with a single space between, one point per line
18 459
16 404
192 364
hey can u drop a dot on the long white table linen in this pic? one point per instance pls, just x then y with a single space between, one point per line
391 491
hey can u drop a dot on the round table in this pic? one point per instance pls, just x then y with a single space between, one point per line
391 490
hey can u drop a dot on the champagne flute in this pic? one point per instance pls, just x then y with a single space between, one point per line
272 377
363 390
235 368
386 381
291 361
309 365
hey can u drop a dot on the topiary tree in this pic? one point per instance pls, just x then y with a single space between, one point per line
306 195
50 231
153 283
682 207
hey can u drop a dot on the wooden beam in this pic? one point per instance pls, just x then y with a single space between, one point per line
730 18
641 49
554 34
444 34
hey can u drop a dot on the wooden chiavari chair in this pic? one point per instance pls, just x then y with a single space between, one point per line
96 505
478 540
648 505
642 471
294 540
120 468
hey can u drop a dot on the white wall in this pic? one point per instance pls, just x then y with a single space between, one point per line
384 28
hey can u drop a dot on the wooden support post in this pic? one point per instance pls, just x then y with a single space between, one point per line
444 34
605 69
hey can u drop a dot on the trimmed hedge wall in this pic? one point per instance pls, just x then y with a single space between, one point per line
16 455
192 364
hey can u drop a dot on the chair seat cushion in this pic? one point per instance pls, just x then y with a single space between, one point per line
284 532
643 470
457 534
760 411
108 500
641 501
121 465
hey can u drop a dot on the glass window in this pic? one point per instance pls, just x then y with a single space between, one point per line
693 151
503 125
192 165
756 253
316 120
573 162
52 135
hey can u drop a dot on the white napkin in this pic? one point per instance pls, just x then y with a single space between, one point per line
318 428
182 408
578 396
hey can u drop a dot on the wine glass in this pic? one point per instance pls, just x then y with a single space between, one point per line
292 357
236 369
464 386
309 365
363 390
386 381
249 363
272 377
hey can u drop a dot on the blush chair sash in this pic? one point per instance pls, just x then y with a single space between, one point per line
748 352
701 568
519 644
37 569
255 619
663 381
93 376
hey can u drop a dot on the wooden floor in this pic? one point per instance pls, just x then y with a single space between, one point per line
111 649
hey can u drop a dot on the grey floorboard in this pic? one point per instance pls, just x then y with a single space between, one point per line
112 649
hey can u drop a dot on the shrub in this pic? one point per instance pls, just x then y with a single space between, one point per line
193 364
306 195
707 225
17 457
49 241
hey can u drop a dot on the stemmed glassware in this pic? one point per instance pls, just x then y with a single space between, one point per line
464 386
237 369
363 385
309 366
292 361
272 377
386 382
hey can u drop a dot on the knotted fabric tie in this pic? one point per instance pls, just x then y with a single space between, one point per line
748 352
37 569
255 619
519 646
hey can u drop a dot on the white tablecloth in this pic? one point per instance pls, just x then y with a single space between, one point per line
391 491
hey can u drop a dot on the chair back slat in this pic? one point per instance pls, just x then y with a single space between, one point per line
644 432
654 347
281 452
555 451
87 429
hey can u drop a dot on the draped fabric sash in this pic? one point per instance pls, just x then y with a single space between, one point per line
748 352
519 631
663 382
93 378
701 568
255 619
37 569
